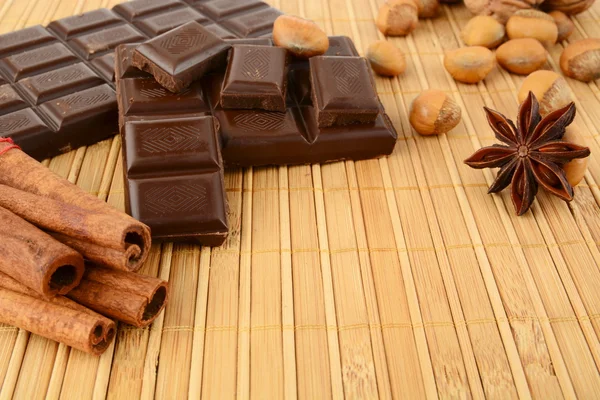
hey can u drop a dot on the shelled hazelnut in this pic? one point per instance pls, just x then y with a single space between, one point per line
533 24
563 23
301 37
386 59
483 30
433 112
397 17
469 64
521 56
550 89
581 60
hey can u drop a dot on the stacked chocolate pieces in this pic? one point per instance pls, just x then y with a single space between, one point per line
182 91
57 82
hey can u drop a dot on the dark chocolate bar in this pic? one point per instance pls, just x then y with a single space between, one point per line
182 55
256 78
256 137
343 91
172 157
75 54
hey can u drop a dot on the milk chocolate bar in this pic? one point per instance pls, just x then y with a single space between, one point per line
172 156
71 63
181 55
256 78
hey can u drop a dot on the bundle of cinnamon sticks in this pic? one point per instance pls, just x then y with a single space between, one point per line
68 260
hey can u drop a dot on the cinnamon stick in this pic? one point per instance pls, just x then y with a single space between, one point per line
35 259
19 171
92 233
125 296
59 318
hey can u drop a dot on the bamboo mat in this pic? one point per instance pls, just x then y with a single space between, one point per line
390 278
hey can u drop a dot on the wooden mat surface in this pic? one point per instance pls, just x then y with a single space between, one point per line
390 278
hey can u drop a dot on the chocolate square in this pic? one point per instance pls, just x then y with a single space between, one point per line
256 78
343 90
181 55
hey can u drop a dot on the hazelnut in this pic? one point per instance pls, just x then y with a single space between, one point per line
534 24
575 169
581 60
521 56
433 112
570 7
563 23
483 30
469 64
301 37
427 8
549 87
397 17
386 59
501 10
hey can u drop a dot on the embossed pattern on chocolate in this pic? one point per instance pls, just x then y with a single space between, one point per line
343 91
256 78
181 55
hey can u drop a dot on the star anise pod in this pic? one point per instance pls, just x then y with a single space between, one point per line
534 153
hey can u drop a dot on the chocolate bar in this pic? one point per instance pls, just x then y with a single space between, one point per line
256 137
182 55
172 157
343 91
72 59
256 78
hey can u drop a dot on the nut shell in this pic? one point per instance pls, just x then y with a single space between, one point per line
521 56
433 112
386 59
501 10
533 24
575 169
569 7
427 8
397 17
483 30
550 89
469 64
564 24
581 60
301 37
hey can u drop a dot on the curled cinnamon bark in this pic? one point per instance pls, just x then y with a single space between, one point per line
35 259
19 171
58 319
128 297
98 236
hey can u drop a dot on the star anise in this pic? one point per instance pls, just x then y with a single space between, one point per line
534 155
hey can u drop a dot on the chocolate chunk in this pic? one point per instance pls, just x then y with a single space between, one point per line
253 24
221 9
132 10
105 65
36 61
98 43
68 27
343 91
10 100
158 24
256 78
59 82
181 55
341 46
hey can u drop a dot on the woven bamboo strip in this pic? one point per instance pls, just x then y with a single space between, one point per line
220 350
547 290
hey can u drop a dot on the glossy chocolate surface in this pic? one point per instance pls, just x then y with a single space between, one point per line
256 78
343 91
181 55
40 64
172 155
